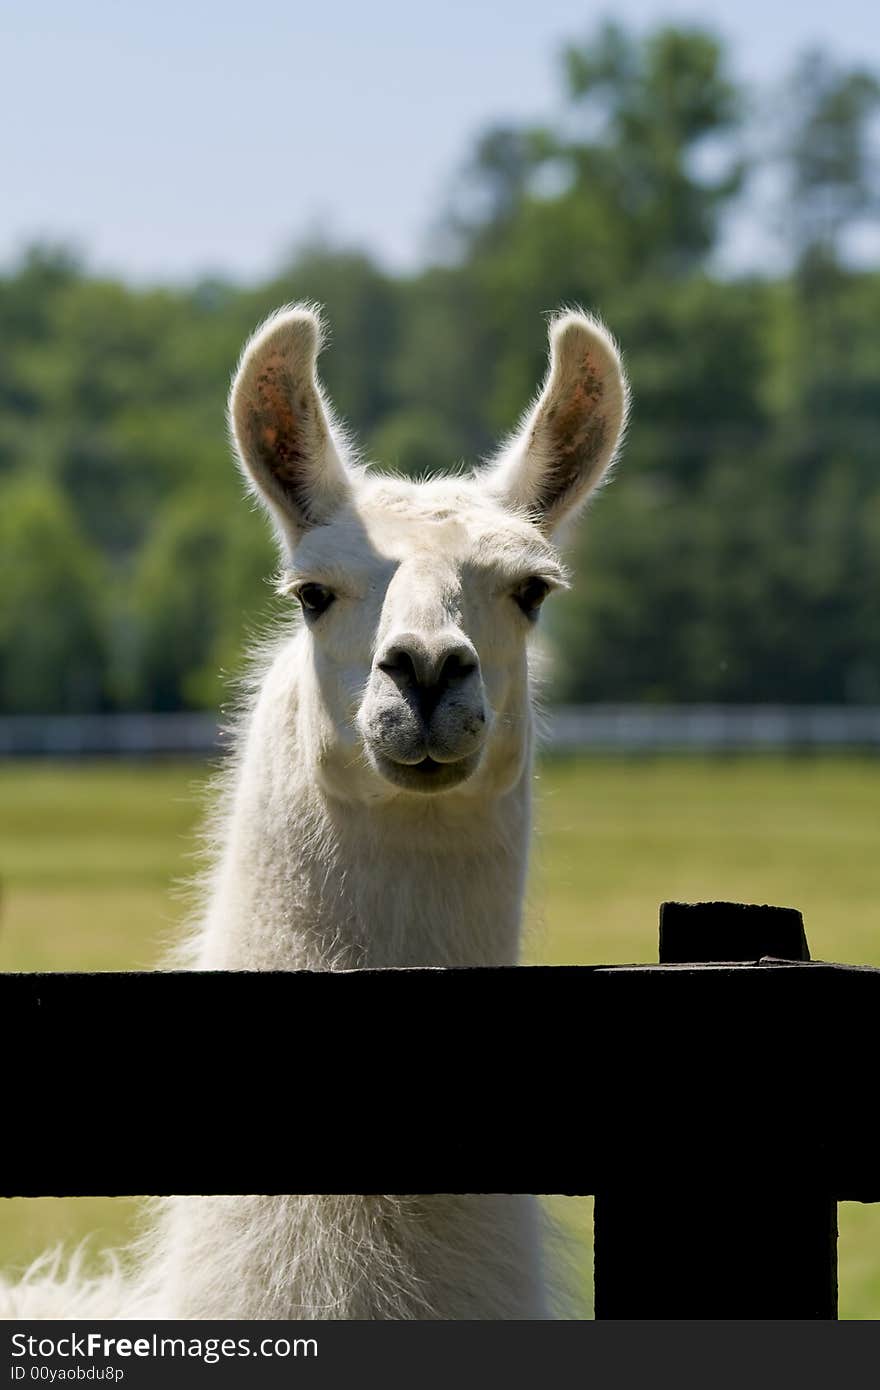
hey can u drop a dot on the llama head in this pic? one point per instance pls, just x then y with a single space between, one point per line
418 598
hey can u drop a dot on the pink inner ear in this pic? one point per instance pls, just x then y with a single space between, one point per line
578 430
276 424
573 420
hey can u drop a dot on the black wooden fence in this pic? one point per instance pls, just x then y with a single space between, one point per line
718 1104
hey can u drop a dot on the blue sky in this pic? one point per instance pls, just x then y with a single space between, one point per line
169 139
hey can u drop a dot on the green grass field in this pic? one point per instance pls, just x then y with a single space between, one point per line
89 855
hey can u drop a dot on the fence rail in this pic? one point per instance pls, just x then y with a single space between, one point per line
713 728
181 1082
569 728
718 1110
119 735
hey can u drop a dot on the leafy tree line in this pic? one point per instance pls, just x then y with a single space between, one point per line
736 556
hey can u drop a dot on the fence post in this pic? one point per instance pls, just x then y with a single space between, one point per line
713 1236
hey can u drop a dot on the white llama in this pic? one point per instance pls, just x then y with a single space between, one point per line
377 815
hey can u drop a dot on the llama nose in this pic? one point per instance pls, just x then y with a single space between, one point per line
425 674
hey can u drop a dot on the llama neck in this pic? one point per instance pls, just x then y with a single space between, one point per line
308 882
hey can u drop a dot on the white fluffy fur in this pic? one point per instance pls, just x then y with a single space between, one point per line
325 861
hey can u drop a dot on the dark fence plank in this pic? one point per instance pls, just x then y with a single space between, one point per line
715 1234
519 1080
698 1249
692 932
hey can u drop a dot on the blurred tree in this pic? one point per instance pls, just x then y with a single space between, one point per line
834 180
735 556
416 442
643 161
612 208
51 605
447 353
202 580
834 174
658 104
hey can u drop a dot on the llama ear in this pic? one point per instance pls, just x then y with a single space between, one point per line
568 440
281 427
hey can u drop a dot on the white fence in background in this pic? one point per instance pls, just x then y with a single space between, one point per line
119 735
568 729
712 728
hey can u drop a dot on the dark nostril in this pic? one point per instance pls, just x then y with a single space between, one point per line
424 682
399 665
456 666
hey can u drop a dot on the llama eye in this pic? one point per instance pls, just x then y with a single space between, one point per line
530 595
315 599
